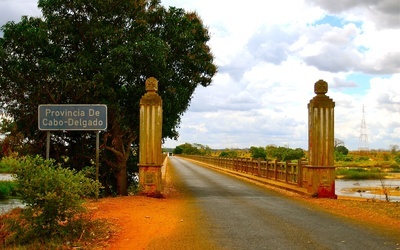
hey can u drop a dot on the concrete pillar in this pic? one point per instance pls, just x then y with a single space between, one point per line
150 154
321 170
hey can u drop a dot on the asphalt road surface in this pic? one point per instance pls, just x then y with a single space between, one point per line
242 215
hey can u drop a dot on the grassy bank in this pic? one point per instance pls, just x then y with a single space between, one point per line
7 189
361 173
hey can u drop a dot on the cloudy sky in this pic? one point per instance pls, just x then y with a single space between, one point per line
270 54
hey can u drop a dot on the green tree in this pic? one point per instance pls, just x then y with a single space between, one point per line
393 148
101 52
342 150
258 152
189 149
203 149
293 154
284 153
229 154
178 150
338 142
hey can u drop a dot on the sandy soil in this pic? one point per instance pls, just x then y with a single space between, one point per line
174 222
138 222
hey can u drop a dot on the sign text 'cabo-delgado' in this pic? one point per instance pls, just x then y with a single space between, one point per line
72 117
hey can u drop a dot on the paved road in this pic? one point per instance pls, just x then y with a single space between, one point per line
242 215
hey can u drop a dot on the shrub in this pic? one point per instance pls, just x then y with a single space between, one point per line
397 158
7 189
53 197
258 152
285 154
178 150
395 167
8 164
341 157
228 154
362 158
342 149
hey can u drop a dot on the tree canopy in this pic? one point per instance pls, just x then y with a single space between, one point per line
258 152
229 154
342 150
192 149
284 153
101 52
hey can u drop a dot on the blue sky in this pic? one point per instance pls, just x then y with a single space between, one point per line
269 57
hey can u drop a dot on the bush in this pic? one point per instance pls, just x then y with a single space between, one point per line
53 197
178 150
228 154
342 157
362 158
397 158
8 164
342 150
395 167
285 154
258 152
7 189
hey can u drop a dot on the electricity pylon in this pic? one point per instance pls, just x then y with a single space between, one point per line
363 139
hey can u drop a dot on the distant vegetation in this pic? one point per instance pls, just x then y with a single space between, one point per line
270 152
366 165
360 173
374 159
374 164
192 149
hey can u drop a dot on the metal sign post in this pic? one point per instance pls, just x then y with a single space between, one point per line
48 145
97 160
78 117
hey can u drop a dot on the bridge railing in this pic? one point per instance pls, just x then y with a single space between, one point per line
286 171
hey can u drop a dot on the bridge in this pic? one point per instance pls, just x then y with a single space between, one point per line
286 175
315 176
235 214
229 213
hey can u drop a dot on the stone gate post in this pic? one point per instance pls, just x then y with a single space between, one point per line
150 154
321 169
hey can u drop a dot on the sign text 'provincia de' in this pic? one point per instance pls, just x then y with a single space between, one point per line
72 117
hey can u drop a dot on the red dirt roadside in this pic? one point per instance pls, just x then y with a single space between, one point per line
138 222
174 222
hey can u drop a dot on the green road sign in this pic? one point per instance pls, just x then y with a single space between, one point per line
72 117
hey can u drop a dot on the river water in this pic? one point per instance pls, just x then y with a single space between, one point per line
352 188
6 177
8 204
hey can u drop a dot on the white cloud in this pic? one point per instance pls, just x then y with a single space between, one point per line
280 62
383 13
269 57
13 10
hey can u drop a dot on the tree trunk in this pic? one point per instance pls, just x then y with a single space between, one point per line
121 153
122 179
121 173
